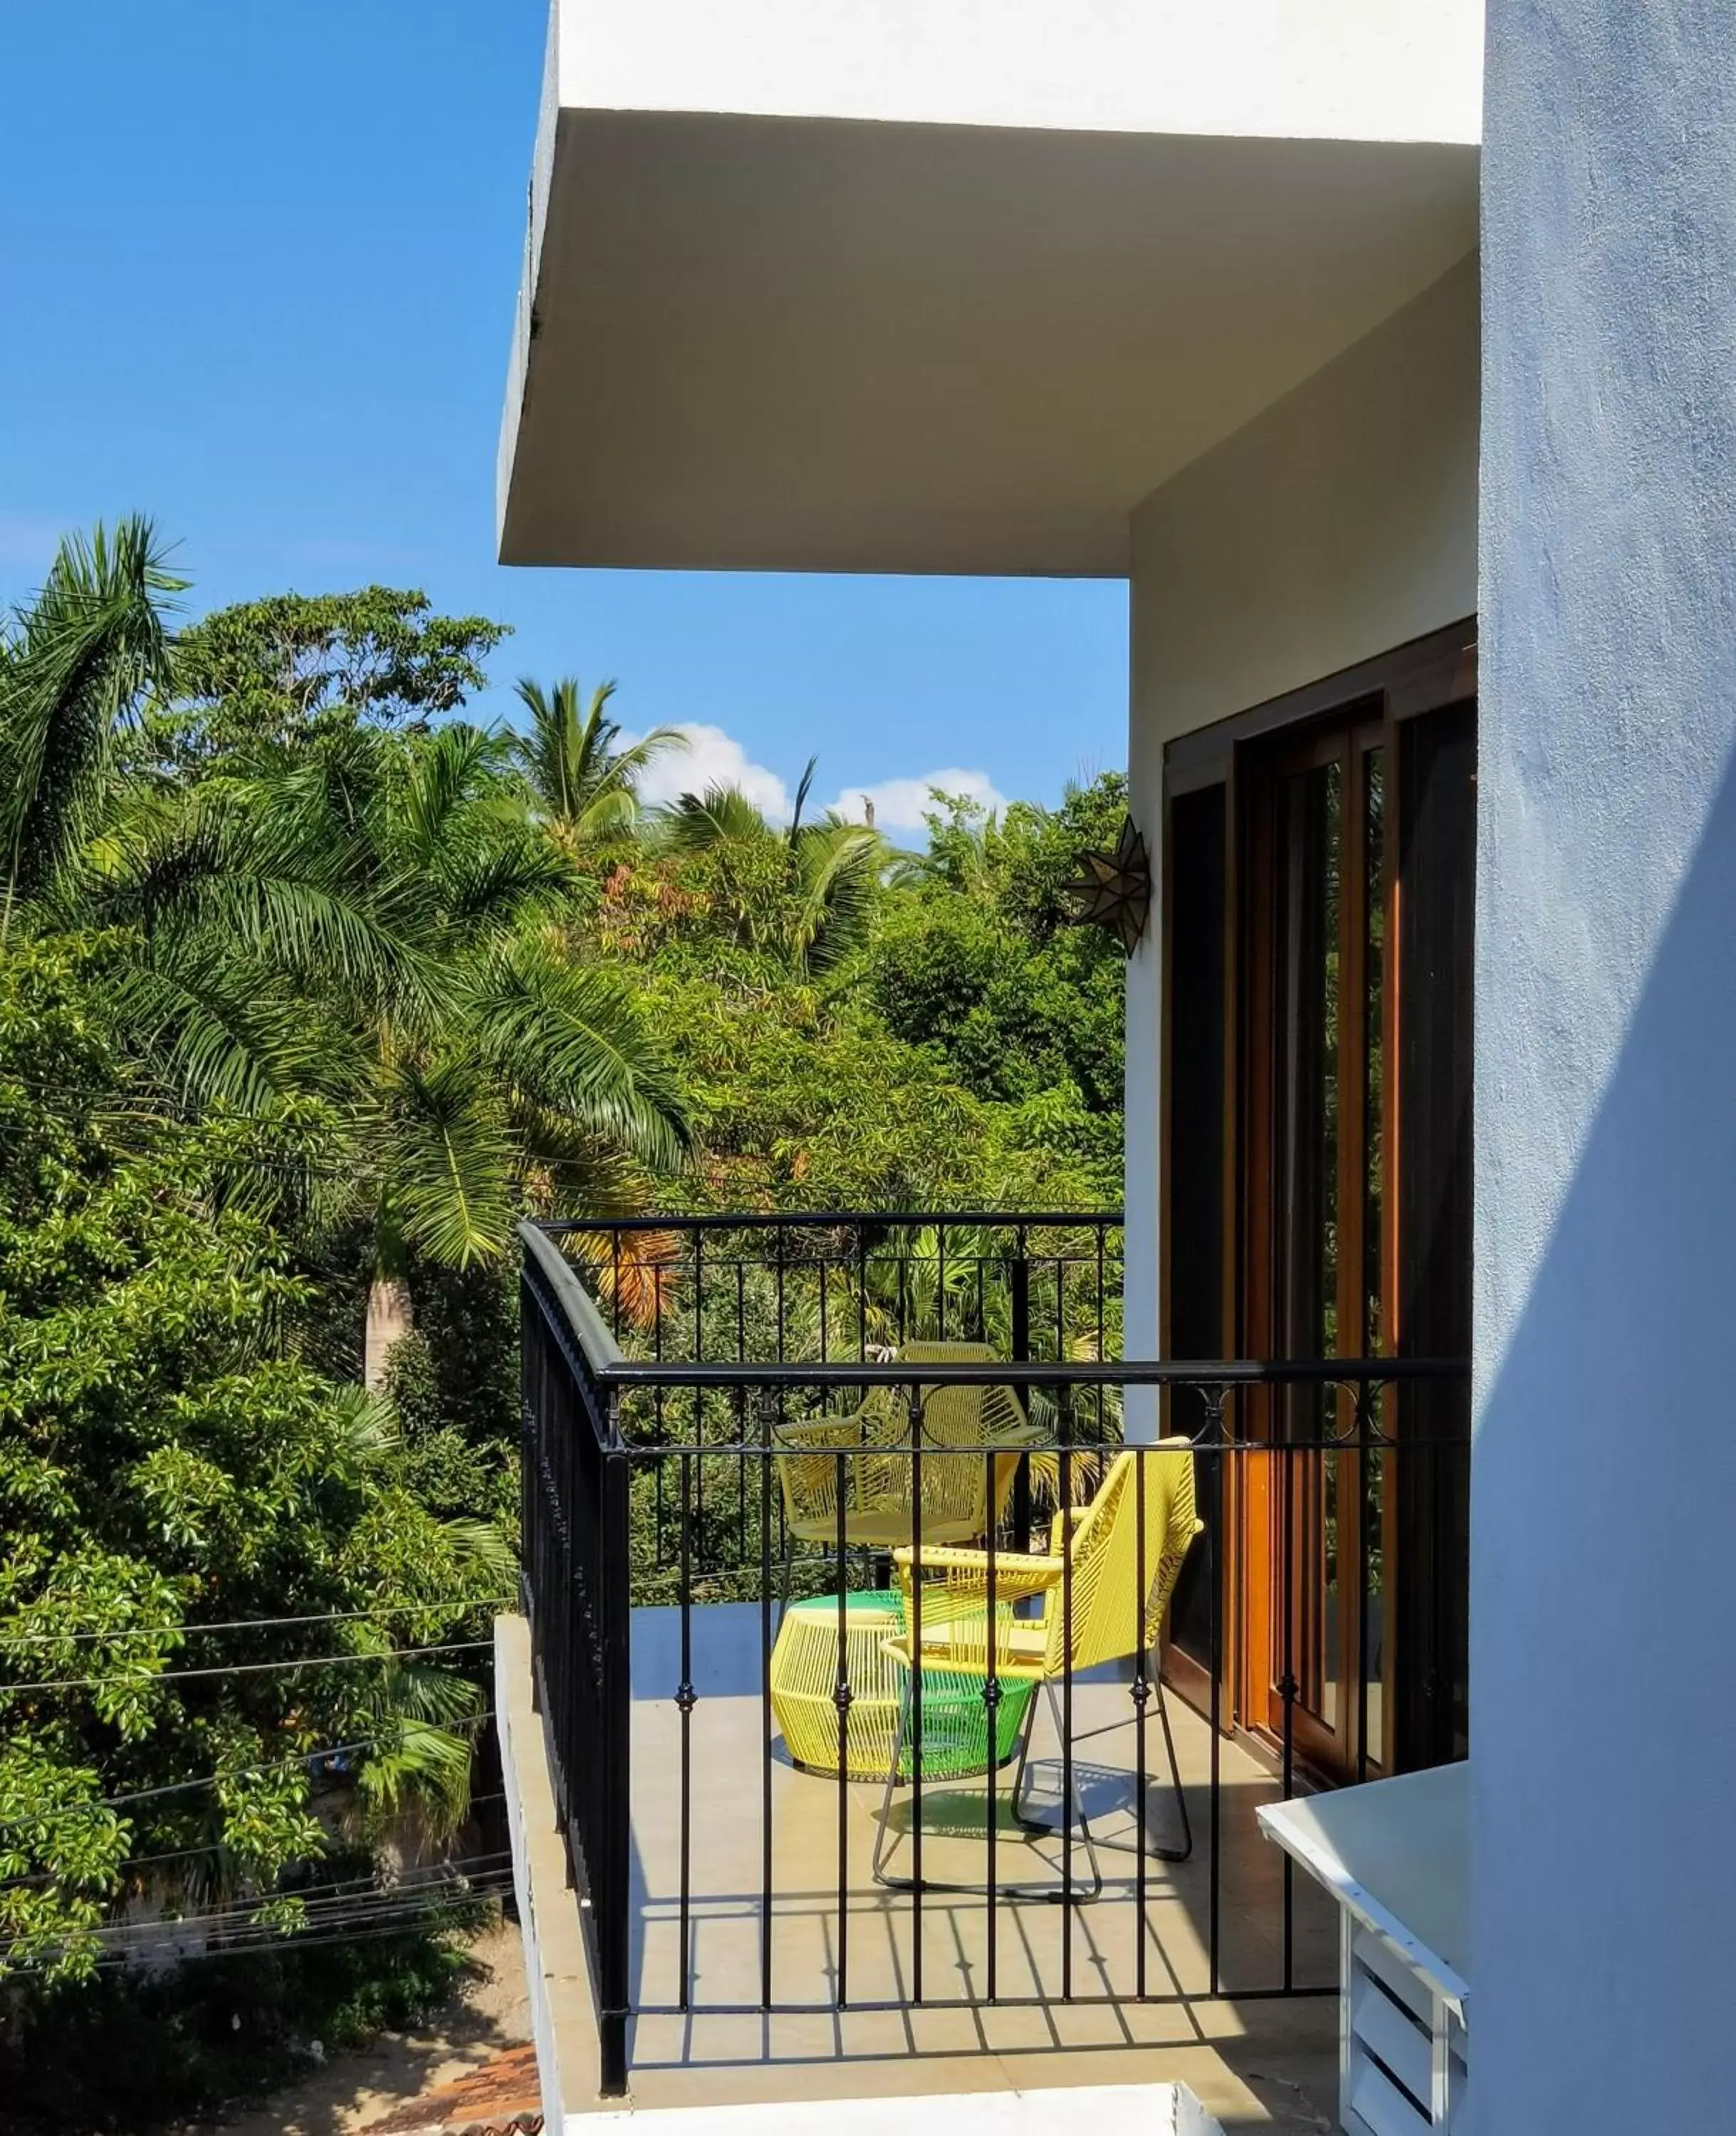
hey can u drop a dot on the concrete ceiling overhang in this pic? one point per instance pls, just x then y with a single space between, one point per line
761 341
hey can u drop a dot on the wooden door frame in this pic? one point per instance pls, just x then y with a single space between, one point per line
1426 675
1283 1597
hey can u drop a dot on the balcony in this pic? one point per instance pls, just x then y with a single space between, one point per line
762 1915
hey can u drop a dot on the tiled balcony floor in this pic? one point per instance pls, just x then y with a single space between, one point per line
1256 2062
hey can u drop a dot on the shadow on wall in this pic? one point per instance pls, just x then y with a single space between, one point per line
1604 1581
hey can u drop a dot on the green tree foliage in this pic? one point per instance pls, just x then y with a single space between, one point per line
961 1044
126 2052
295 668
320 892
976 957
307 980
805 894
453 1379
168 1461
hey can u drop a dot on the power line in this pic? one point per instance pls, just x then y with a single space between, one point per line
286 1943
175 1854
263 1935
236 1772
252 1623
336 1891
399 1921
237 1669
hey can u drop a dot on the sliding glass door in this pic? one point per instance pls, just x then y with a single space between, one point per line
1319 904
1318 928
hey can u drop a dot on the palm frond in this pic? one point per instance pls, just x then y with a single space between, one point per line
697 822
479 1548
421 1768
636 1274
84 655
214 1030
453 766
495 883
583 783
367 1423
568 1038
450 1162
803 785
839 866
261 868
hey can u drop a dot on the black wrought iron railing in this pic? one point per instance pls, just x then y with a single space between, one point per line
725 1418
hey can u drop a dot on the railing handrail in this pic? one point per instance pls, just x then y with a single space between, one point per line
588 1327
612 1369
831 1220
1153 1373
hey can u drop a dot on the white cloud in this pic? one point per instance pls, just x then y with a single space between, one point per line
715 758
901 804
712 758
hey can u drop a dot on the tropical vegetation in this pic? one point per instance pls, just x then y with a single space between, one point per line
311 983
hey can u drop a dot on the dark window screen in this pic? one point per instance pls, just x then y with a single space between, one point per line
1196 1101
1437 897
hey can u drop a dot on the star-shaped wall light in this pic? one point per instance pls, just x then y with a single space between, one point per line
1113 890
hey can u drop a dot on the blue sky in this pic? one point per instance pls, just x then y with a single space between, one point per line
260 257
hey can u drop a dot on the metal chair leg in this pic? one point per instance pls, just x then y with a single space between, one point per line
882 1846
1172 1853
1072 1812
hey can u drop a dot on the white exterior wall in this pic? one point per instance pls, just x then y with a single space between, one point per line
1603 1480
1339 524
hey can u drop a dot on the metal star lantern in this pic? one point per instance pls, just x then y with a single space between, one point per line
1113 890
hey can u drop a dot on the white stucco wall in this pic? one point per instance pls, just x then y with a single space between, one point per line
1339 524
1603 1529
1333 69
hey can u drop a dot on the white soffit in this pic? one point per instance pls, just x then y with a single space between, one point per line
949 285
1345 70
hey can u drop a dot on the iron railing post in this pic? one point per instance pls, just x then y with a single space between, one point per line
613 1752
1020 1346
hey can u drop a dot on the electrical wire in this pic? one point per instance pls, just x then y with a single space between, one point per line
336 1893
357 1912
175 1854
255 1624
237 1669
238 1773
340 1892
399 1921
283 1944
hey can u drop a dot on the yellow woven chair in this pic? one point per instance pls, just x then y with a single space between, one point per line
877 1513
1089 1584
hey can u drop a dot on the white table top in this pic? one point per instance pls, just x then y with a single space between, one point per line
1396 1854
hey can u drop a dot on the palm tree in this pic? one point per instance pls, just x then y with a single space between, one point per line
813 902
76 668
358 917
526 1070
583 788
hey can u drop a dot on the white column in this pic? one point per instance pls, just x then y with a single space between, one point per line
1604 1560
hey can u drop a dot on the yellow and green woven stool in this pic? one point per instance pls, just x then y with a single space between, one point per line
804 1698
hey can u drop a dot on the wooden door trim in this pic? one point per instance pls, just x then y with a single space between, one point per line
1424 676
